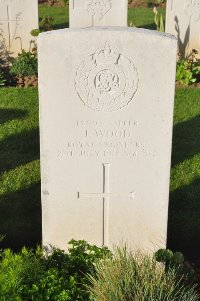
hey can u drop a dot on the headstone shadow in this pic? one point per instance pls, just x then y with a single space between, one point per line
184 221
20 220
186 142
61 26
182 44
19 149
151 26
11 114
184 206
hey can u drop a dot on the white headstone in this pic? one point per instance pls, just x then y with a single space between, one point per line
183 21
17 19
106 111
87 13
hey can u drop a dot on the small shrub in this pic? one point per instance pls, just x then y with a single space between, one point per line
25 69
137 277
24 65
66 2
2 237
188 69
176 261
158 19
54 275
2 79
15 271
35 32
47 23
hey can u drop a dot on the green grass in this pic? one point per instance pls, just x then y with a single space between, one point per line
140 17
19 167
60 15
20 174
143 17
184 210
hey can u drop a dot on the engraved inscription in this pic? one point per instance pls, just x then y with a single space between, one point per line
192 8
106 81
98 8
113 139
106 195
104 149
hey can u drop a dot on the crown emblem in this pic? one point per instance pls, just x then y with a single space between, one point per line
107 55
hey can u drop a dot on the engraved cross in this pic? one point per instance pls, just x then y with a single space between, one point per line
9 21
106 199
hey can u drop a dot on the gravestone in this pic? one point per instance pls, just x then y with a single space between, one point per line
87 13
17 19
183 21
106 129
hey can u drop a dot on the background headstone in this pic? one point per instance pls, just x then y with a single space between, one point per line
87 13
106 117
183 21
17 19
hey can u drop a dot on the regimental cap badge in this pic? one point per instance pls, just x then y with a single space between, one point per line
107 80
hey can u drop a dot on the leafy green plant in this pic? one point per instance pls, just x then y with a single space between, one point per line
2 79
46 25
48 275
158 19
160 1
35 32
68 272
188 69
176 261
2 237
136 277
66 2
13 270
131 24
25 64
3 47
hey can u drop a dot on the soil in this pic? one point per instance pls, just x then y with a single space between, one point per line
138 3
196 85
59 3
145 3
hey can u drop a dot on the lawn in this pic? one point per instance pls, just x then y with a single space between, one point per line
184 210
19 167
20 206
